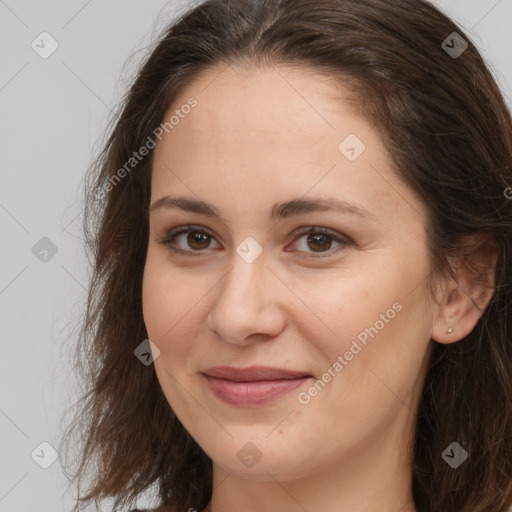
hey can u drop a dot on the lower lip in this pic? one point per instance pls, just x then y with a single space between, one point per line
250 394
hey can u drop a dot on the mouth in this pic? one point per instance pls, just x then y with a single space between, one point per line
253 386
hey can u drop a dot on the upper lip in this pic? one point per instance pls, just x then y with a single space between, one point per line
253 373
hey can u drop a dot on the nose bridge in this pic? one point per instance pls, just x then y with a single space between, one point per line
246 298
245 284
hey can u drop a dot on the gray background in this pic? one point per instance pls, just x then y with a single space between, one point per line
53 113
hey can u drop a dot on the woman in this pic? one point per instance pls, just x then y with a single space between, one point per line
302 288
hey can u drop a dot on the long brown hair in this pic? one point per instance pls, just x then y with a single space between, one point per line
449 133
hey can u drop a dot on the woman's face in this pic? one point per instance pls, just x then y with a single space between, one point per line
346 306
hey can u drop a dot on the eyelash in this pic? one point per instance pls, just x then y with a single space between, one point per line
174 233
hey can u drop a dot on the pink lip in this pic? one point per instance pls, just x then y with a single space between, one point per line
257 385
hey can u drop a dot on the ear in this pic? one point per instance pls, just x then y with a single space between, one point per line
465 297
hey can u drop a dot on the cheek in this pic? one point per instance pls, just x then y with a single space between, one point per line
370 319
155 305
372 361
336 309
171 301
162 301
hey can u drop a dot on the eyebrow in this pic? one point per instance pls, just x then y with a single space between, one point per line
279 211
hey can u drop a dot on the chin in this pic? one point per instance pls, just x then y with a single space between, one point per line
262 460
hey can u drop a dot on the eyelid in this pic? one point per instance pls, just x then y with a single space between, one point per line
343 240
173 233
340 237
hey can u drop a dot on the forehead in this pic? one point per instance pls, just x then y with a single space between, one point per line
275 131
255 118
288 100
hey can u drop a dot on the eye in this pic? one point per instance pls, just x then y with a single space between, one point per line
320 241
197 239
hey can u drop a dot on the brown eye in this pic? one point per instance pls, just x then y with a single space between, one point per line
320 240
191 241
196 240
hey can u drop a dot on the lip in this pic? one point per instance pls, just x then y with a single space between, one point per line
253 386
253 373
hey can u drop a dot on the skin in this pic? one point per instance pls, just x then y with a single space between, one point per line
255 138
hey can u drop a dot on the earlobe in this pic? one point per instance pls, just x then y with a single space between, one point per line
446 328
456 318
465 300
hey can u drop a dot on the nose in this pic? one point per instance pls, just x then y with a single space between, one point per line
247 304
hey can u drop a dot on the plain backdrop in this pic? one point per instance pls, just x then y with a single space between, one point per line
53 115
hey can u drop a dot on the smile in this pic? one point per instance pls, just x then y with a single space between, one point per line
253 393
253 386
